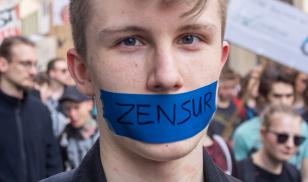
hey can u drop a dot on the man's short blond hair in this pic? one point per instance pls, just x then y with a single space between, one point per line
271 110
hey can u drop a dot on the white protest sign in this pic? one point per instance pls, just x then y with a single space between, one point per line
270 28
60 12
10 24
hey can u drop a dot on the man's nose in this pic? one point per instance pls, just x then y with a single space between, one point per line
164 75
71 113
285 101
33 70
290 142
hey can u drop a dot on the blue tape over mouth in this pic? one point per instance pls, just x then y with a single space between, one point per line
159 118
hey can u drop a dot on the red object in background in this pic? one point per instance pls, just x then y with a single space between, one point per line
10 19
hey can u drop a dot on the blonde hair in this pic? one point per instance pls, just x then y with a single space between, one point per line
270 110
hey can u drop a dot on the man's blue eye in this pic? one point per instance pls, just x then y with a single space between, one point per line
189 39
131 42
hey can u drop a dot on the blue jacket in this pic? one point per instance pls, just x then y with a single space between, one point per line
28 149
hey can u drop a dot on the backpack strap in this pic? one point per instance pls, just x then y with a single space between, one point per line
221 142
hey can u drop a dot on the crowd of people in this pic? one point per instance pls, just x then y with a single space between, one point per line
245 110
49 123
260 125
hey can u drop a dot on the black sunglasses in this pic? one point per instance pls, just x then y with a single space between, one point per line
283 138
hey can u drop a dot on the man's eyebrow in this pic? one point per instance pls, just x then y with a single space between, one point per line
200 27
109 31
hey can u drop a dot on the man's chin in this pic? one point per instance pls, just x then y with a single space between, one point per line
26 87
161 152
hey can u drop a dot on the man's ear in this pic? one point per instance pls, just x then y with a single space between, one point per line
79 72
263 133
3 65
225 52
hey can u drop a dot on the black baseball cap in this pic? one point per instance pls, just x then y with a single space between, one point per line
71 93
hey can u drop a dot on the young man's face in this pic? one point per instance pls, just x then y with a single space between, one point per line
281 124
147 47
22 67
60 72
227 90
281 93
77 112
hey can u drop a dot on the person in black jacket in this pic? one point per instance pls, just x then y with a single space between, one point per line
152 67
28 149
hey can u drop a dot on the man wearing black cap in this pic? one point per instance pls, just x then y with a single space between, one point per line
81 133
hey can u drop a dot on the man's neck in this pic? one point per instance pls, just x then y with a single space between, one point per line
10 89
57 90
266 162
120 165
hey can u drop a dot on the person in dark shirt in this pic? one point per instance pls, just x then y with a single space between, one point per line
281 137
152 67
28 149
226 108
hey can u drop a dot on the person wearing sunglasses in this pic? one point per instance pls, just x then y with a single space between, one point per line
58 76
276 87
280 136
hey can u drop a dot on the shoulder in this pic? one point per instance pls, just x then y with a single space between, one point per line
245 169
35 103
248 126
61 177
244 164
292 171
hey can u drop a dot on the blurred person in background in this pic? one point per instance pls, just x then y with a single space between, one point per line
276 87
41 84
305 98
281 136
59 78
226 107
305 117
247 102
81 132
28 149
300 85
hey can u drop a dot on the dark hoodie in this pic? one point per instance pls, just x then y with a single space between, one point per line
28 149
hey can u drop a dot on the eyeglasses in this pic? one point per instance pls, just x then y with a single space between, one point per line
283 138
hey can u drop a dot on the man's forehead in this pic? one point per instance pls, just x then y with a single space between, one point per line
185 8
280 120
126 16
60 64
159 3
23 51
